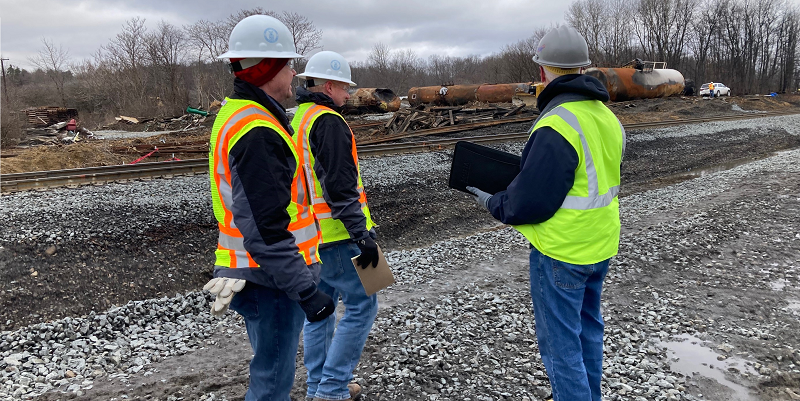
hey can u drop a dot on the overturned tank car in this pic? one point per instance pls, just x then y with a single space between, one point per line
639 82
372 100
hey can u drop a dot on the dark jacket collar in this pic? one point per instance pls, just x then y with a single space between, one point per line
305 96
577 84
247 91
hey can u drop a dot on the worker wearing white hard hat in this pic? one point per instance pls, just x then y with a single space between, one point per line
345 224
267 260
565 202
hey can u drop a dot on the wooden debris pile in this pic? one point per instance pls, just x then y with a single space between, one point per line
175 123
413 119
48 115
53 135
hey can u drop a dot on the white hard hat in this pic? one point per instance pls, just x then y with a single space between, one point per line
260 36
563 47
327 65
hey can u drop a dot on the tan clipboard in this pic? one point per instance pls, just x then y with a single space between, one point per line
376 278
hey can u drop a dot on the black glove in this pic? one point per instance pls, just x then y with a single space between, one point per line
369 253
318 306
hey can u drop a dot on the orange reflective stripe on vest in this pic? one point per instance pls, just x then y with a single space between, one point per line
303 226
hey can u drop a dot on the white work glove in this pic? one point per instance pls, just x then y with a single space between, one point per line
224 288
481 197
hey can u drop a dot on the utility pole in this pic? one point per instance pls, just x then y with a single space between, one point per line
3 68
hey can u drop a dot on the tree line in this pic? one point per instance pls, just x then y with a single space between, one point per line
751 45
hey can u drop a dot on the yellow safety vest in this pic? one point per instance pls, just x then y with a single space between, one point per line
332 229
585 229
235 119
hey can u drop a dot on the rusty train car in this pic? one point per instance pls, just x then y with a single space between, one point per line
456 95
630 83
376 100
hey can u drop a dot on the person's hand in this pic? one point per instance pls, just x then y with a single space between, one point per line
224 288
481 197
369 253
318 306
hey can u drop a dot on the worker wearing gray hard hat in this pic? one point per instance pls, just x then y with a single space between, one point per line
564 201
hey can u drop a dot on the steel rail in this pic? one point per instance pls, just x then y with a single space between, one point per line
97 175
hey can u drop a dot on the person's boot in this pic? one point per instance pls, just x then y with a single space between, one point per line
355 391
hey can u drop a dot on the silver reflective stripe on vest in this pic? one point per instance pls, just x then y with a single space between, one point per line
594 200
235 244
624 140
304 234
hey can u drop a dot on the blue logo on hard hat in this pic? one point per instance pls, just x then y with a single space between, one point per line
271 35
335 65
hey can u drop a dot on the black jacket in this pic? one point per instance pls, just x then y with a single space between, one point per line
262 168
332 145
547 168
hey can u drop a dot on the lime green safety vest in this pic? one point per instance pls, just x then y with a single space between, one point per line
235 119
332 229
585 230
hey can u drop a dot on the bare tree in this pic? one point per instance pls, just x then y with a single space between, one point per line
123 58
165 50
379 57
53 60
208 39
589 18
305 34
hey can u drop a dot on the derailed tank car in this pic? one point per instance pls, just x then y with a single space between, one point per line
630 83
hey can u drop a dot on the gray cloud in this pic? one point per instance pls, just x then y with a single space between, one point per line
446 27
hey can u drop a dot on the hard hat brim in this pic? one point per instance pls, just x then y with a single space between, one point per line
327 77
258 54
539 61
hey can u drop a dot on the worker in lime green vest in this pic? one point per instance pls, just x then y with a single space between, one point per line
564 201
331 351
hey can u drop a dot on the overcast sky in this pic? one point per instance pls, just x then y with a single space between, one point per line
351 27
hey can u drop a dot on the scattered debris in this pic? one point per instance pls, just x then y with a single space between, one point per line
49 115
440 116
130 120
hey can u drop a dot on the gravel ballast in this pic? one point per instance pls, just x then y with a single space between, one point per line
698 258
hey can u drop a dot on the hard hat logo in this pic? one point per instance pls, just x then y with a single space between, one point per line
540 48
335 65
271 35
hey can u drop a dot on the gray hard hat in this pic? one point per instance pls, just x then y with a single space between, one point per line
562 47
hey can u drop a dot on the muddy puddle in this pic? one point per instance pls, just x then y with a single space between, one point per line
689 357
702 172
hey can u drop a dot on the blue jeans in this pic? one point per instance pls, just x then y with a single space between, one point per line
273 325
331 353
569 327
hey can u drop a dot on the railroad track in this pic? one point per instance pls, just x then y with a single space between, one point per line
101 175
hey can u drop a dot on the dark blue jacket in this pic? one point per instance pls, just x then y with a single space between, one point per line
331 142
262 167
547 168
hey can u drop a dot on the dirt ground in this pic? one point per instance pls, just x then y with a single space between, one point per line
413 217
105 153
